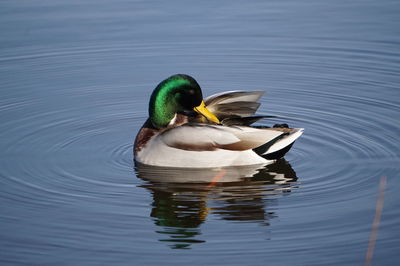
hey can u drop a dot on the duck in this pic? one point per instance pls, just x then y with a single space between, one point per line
185 130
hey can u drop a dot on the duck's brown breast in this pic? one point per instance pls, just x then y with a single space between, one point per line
145 133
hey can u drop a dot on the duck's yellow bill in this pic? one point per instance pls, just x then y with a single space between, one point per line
201 109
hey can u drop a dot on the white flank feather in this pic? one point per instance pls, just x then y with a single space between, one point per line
163 149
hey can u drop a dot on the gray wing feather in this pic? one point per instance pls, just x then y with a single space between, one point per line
233 96
234 103
235 107
243 121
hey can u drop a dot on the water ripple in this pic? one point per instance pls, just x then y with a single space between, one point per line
70 114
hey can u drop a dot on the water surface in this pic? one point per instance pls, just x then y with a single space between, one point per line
75 79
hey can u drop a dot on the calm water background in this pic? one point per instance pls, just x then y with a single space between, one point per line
75 79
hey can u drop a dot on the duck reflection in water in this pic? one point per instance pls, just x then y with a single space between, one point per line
183 198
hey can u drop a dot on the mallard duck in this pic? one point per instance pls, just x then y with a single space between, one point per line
185 130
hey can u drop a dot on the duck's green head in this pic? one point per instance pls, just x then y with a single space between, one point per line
176 94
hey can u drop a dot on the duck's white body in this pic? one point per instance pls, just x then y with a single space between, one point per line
167 156
200 145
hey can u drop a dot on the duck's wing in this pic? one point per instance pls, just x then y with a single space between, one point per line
204 137
243 121
234 103
233 96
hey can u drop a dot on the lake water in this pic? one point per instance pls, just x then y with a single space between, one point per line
75 79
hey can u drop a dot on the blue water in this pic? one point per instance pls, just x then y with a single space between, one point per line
75 79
